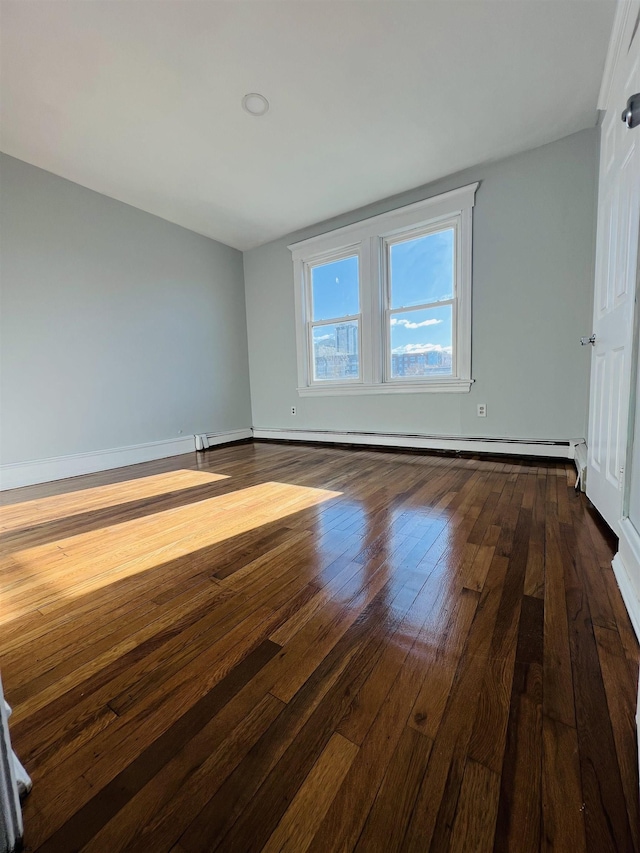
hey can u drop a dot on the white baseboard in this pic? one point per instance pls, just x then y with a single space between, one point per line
559 449
626 567
18 474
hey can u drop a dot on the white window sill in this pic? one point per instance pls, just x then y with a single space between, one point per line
450 386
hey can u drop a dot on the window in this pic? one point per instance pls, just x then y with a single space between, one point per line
333 287
384 306
420 303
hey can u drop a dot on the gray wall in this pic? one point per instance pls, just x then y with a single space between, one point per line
116 327
534 223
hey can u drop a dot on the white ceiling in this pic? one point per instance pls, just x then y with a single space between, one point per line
141 100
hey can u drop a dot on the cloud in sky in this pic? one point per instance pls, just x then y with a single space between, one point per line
322 338
409 325
418 348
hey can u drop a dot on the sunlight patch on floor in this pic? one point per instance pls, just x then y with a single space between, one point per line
81 564
41 510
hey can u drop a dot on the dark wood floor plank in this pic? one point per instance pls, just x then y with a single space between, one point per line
365 706
491 710
602 613
276 766
625 629
331 583
345 820
448 757
151 819
102 758
389 816
563 825
441 668
193 796
299 824
520 807
535 575
283 780
558 695
92 817
323 634
490 727
606 820
474 827
620 701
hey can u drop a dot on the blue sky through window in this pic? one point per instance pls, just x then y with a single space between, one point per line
422 331
335 289
421 269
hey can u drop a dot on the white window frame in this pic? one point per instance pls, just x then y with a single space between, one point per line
370 239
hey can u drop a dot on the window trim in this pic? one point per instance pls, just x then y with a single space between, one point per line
369 238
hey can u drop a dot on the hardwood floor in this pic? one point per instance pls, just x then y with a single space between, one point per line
279 648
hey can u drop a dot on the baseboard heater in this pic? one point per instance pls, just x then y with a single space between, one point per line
206 440
562 448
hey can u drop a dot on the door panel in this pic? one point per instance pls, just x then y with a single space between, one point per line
616 257
614 438
597 411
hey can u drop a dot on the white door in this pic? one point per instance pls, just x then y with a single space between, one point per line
616 254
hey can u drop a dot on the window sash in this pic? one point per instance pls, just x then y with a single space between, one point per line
354 250
406 236
427 378
451 224
342 380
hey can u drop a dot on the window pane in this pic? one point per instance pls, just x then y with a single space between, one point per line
335 351
334 288
422 342
421 270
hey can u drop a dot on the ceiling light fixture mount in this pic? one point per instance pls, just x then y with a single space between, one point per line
255 104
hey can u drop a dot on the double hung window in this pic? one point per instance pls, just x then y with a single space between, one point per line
384 306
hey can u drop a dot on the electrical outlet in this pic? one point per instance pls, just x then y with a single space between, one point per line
293 410
482 410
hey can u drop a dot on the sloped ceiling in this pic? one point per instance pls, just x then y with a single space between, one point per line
141 100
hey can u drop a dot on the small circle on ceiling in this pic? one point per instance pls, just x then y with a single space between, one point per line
255 104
